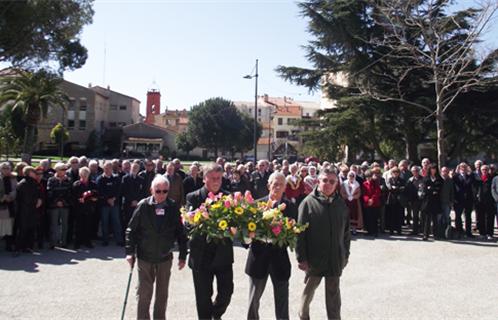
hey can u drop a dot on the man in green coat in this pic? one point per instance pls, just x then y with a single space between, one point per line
323 249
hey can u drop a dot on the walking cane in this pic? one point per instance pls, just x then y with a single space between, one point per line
127 291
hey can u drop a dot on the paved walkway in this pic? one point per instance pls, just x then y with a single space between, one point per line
398 278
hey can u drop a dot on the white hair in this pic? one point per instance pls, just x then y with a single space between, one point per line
93 163
276 175
158 179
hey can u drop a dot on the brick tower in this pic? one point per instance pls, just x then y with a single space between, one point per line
153 105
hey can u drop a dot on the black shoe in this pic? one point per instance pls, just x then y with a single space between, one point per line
105 244
425 238
27 250
16 254
76 247
89 246
470 236
121 244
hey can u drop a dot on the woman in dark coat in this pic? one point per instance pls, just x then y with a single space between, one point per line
28 200
433 184
84 194
394 208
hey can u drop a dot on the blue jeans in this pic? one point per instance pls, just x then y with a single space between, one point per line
113 214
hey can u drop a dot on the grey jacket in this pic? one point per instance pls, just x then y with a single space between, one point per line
325 244
494 188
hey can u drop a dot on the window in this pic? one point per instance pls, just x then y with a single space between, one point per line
70 124
291 121
122 107
259 112
82 115
82 124
70 115
83 108
282 134
114 107
112 124
72 104
280 121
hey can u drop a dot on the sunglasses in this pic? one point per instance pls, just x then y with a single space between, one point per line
331 181
161 191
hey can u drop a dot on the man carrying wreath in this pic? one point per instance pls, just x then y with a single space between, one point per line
210 259
266 259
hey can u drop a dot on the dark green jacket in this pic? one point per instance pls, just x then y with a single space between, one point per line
153 244
325 244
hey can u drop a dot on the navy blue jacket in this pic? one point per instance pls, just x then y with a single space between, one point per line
108 187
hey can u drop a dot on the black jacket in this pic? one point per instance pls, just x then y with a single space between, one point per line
259 184
464 189
153 243
108 187
433 189
59 190
77 191
132 189
148 177
190 184
262 255
27 194
204 255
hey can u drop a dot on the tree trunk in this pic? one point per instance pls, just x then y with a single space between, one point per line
441 151
411 149
27 148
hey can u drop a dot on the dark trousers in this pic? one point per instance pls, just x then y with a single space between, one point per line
25 236
203 284
83 228
408 217
40 229
95 222
416 222
332 297
394 216
148 273
280 295
127 213
371 220
486 221
465 208
429 218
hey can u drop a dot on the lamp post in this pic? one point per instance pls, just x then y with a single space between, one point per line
255 76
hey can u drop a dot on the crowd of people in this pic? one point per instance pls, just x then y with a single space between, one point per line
138 202
83 200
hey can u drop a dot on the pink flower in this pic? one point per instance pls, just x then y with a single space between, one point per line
227 204
238 195
211 196
276 230
248 197
205 214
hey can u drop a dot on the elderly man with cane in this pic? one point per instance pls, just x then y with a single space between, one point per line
150 238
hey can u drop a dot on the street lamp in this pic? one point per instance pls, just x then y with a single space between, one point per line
255 76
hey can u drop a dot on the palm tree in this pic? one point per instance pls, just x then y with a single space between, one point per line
33 93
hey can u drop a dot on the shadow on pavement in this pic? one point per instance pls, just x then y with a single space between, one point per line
29 262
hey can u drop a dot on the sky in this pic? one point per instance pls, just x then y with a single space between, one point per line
195 50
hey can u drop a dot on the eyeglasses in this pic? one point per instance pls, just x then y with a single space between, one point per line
161 191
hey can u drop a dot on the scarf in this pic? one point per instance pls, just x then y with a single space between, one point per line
350 188
294 181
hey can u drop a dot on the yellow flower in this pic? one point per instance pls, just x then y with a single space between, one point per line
251 226
296 230
239 211
197 217
222 225
216 206
253 210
